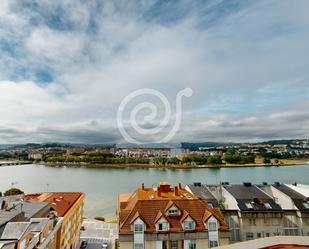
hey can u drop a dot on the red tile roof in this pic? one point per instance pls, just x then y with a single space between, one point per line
60 201
148 205
286 246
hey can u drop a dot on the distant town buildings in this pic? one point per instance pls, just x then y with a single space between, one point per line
76 153
144 152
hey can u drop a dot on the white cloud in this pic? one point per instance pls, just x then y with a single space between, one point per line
247 66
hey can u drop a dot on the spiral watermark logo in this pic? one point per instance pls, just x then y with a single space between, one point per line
150 117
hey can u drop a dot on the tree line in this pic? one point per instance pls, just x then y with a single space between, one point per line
187 160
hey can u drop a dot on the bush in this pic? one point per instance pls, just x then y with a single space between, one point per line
13 191
266 160
214 160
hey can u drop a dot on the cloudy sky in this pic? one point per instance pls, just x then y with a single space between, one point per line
66 65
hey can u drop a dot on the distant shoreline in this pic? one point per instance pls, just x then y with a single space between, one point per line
170 166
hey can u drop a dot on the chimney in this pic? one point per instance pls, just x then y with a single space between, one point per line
165 187
176 191
179 185
159 191
143 186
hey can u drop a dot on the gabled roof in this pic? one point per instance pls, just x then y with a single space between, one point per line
169 205
135 217
159 216
206 215
185 215
252 199
6 244
202 192
297 197
15 230
151 210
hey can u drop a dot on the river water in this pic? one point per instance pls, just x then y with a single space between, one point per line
102 185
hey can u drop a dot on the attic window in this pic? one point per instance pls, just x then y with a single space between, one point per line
306 204
173 211
210 205
189 225
138 228
212 225
163 226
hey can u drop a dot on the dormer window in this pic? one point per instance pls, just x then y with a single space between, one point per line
188 225
138 228
162 226
173 212
212 225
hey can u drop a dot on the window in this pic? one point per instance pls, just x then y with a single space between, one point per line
252 222
165 244
259 235
138 246
249 205
213 243
163 226
174 245
266 221
306 205
212 226
173 212
267 205
267 234
249 236
138 228
274 221
210 205
189 225
191 244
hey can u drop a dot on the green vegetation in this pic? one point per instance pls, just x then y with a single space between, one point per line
189 160
97 158
13 191
266 160
239 158
113 221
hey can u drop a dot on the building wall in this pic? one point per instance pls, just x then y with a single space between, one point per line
224 241
68 234
261 226
126 245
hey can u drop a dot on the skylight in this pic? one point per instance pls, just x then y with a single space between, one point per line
267 205
248 205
